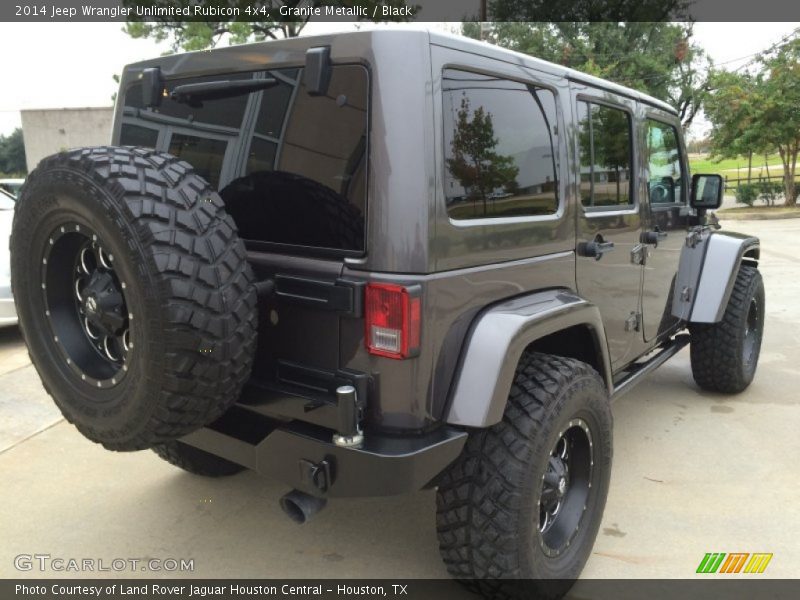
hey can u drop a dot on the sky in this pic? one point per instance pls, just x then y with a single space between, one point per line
58 65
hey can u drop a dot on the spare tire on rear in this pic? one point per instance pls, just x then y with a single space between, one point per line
134 294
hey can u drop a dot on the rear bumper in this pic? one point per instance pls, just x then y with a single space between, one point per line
303 456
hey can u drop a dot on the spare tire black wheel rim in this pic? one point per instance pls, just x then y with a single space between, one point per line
566 484
85 305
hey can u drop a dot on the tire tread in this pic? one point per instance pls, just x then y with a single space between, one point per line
202 282
716 348
196 461
479 495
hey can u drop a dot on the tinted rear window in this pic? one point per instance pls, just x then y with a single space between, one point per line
290 166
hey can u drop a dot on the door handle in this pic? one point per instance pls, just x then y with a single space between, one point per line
653 237
595 249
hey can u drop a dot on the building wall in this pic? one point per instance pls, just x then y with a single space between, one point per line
50 130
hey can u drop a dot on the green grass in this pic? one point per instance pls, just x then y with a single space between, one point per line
758 208
759 212
701 163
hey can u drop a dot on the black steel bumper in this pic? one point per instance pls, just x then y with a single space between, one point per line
303 456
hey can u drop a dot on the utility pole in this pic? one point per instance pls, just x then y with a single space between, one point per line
483 19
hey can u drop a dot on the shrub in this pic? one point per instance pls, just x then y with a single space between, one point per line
769 191
747 193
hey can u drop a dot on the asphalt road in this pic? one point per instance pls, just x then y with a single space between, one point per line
693 473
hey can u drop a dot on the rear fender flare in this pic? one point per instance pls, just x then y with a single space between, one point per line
496 342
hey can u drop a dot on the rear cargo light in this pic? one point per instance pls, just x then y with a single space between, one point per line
393 320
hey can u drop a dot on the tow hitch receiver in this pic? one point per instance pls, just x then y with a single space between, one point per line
315 475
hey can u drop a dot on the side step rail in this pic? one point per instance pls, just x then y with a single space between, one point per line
637 371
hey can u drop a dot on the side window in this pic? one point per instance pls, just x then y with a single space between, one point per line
665 179
499 146
605 156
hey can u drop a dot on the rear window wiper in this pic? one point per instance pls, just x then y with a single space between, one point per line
193 94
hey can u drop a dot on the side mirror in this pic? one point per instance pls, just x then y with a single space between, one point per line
707 191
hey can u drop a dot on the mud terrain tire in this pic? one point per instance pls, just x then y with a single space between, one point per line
134 294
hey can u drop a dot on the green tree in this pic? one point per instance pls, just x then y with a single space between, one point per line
475 163
12 153
607 135
779 86
581 10
761 112
658 58
732 112
196 34
612 144
699 145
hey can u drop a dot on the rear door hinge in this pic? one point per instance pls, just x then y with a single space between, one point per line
694 237
634 322
639 254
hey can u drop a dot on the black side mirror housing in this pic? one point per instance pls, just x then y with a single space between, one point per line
152 87
707 191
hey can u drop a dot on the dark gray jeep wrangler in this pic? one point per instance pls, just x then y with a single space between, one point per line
370 263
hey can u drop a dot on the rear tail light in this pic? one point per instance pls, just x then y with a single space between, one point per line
393 314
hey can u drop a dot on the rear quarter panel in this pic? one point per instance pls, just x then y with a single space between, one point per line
472 264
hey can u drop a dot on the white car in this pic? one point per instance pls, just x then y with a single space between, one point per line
12 186
8 314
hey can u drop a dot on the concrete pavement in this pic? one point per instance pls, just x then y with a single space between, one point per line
693 473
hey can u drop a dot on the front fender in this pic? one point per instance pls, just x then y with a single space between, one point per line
721 253
495 345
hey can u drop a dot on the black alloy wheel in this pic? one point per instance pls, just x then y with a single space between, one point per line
85 305
565 488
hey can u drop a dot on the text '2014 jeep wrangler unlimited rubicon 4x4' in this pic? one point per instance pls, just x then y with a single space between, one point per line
368 263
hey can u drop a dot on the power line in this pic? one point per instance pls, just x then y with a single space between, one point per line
774 46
